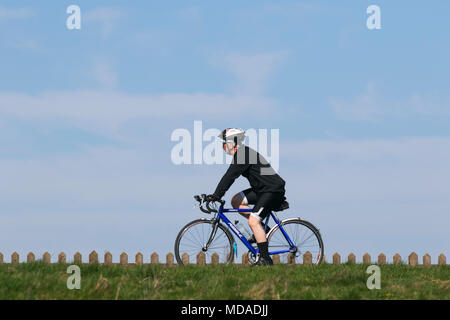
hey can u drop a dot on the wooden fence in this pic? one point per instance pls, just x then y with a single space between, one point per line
413 259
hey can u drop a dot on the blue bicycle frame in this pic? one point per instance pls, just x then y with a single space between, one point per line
221 216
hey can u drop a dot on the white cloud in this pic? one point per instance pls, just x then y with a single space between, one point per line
370 105
365 106
430 103
105 111
105 75
106 17
252 71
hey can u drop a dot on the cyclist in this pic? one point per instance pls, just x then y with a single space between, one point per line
267 187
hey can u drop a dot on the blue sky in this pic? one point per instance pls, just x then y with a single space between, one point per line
86 118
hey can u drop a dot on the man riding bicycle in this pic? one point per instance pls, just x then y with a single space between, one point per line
267 187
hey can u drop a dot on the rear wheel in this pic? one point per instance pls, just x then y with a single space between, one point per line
193 239
304 236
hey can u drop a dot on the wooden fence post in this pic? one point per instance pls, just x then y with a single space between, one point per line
108 258
62 257
93 257
154 258
214 258
185 258
30 257
307 258
245 261
276 259
412 259
123 259
139 259
442 260
336 258
426 260
201 259
169 259
351 258
381 259
46 257
15 257
77 258
291 258
397 259
1 257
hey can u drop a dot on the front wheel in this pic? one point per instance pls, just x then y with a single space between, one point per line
303 235
194 237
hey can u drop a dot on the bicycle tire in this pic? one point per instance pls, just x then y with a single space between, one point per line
317 254
229 254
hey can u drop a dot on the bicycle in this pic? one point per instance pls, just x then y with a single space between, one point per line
289 238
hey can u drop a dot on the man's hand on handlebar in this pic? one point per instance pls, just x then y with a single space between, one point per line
204 200
212 197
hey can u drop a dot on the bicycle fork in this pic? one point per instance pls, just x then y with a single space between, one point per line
211 236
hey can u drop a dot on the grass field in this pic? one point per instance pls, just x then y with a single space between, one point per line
42 281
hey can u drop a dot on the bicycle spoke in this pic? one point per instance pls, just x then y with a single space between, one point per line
223 247
312 234
192 236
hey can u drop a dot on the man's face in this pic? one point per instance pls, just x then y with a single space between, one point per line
229 148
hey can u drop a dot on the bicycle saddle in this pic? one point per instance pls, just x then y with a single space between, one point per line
283 206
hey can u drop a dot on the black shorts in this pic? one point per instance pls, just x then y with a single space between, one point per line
263 203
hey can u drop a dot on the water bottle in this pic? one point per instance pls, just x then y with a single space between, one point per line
245 232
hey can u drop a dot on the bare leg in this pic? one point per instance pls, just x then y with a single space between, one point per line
244 214
258 231
255 224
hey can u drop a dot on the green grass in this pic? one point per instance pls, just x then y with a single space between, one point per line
41 281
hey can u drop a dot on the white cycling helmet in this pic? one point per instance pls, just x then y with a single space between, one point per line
232 134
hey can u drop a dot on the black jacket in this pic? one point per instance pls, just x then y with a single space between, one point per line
250 164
